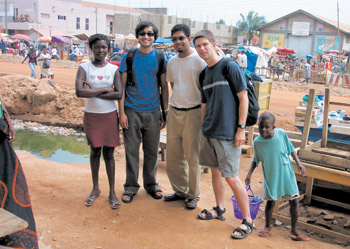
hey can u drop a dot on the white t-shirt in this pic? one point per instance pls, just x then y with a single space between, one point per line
99 77
184 73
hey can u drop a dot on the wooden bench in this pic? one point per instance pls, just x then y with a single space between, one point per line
10 223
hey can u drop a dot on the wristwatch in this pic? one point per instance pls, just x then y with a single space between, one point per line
242 126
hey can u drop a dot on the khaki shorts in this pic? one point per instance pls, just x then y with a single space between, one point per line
222 154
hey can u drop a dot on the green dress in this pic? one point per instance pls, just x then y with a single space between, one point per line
273 153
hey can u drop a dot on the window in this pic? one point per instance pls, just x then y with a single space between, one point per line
170 20
193 24
86 23
77 26
110 27
61 17
44 15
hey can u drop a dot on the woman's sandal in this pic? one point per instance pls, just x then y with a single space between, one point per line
91 199
115 204
244 232
129 194
210 216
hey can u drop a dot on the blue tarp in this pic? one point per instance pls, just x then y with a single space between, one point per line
163 41
251 60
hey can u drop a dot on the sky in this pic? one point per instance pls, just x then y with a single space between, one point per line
230 10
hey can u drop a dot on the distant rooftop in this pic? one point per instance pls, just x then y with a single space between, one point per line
342 26
114 7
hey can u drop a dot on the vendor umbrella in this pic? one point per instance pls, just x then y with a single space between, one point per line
286 50
6 39
21 37
60 39
44 39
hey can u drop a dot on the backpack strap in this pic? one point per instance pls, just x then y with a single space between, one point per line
129 61
160 59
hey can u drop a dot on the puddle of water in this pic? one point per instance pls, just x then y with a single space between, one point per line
62 149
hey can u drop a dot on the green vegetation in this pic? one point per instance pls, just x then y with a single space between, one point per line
249 25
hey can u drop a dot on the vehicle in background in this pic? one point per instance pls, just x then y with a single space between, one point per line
116 58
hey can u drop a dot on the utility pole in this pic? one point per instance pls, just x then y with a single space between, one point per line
338 33
6 16
96 20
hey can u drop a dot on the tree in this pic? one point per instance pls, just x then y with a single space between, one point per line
249 25
221 21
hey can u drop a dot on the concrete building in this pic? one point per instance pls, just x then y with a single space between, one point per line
72 17
305 33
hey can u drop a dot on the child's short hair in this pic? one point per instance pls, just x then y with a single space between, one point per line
267 116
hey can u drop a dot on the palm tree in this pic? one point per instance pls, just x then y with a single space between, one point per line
250 24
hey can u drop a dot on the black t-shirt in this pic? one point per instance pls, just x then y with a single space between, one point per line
221 114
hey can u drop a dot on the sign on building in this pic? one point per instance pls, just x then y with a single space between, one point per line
324 43
301 29
240 40
273 41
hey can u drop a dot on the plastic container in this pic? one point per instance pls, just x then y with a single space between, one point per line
254 203
333 115
320 96
341 114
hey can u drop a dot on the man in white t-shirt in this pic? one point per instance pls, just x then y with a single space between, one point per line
184 120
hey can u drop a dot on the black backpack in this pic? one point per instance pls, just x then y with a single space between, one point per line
253 108
129 82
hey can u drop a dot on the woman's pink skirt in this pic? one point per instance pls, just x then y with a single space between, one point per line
102 129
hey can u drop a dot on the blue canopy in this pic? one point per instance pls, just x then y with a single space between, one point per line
163 40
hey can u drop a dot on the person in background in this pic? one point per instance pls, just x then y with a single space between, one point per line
244 63
116 49
32 61
44 59
99 82
184 122
14 194
272 148
54 53
307 71
3 47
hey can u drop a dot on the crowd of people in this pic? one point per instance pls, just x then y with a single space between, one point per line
205 119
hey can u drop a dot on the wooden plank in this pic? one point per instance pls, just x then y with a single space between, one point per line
338 145
313 228
325 160
325 119
332 152
339 103
306 130
326 174
332 202
10 223
308 190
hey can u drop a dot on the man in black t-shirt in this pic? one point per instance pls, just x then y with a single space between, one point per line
224 111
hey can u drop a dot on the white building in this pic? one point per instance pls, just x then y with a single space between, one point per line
70 17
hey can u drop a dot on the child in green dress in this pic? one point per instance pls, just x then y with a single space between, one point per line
272 148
